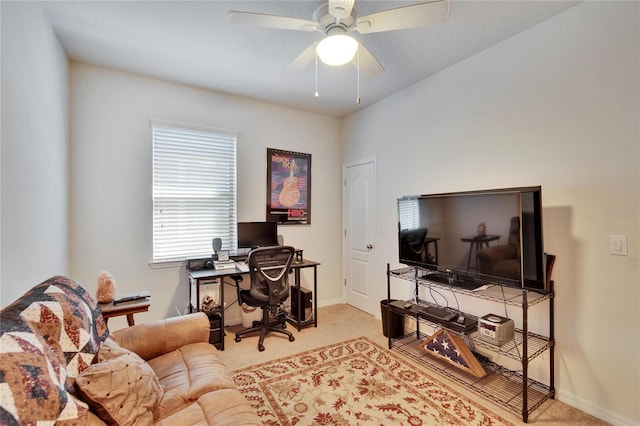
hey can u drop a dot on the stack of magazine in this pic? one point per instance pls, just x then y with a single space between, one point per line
133 297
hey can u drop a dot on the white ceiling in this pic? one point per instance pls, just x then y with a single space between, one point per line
191 42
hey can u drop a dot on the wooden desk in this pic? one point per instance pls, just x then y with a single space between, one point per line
296 267
128 308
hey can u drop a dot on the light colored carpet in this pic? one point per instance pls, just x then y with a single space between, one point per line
355 382
337 323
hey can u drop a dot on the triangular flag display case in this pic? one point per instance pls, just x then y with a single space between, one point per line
454 350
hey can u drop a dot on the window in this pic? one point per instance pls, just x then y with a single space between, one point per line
194 190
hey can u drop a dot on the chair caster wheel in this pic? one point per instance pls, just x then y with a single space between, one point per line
261 348
237 339
291 338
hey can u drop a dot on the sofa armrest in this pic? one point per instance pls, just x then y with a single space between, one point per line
491 255
156 338
94 420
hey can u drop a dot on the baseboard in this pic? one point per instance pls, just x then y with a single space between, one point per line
229 321
582 404
232 321
330 302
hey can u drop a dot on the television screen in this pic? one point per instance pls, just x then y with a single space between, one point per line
476 236
257 234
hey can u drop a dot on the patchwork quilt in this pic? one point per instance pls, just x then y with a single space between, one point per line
48 337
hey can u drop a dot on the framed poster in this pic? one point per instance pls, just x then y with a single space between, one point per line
288 187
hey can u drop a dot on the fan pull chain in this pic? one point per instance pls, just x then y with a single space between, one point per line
316 94
358 75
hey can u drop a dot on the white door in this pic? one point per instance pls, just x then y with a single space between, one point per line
359 224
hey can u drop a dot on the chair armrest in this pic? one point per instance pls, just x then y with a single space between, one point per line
156 338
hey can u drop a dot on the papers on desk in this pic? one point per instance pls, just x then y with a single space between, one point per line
224 264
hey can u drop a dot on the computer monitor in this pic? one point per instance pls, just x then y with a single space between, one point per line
257 234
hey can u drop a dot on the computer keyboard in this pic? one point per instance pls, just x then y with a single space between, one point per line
242 266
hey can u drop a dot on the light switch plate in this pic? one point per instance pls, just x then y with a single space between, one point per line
618 245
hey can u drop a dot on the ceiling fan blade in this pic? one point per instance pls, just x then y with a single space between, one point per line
416 15
303 59
369 65
340 9
271 21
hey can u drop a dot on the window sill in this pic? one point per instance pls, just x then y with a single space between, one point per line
160 264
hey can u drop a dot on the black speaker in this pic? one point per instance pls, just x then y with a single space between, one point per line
303 297
216 243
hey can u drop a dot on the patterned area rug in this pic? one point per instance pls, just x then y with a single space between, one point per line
356 382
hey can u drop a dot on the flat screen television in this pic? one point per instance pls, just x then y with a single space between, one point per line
257 234
475 237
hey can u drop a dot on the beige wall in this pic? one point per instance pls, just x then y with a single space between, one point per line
110 209
34 154
557 105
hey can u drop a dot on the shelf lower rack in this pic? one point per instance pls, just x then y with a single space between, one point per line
502 386
512 349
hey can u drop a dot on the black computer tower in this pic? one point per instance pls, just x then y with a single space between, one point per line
303 296
216 333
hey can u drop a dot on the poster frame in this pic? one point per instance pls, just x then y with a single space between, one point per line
288 187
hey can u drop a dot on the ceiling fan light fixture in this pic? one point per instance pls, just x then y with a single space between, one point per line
337 49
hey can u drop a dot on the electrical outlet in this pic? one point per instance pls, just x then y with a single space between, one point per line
618 245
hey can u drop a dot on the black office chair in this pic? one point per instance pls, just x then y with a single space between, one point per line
269 271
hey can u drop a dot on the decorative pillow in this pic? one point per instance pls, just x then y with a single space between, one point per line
32 388
63 313
110 349
122 388
47 337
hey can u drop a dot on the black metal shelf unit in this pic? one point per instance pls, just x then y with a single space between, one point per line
511 389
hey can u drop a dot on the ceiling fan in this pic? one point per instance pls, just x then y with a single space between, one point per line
337 19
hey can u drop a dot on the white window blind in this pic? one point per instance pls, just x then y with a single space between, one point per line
194 190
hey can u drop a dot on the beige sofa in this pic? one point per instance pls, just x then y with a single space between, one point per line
58 363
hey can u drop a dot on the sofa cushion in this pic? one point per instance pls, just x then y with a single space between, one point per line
122 388
222 407
49 336
188 373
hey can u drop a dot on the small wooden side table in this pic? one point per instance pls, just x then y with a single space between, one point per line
128 308
479 242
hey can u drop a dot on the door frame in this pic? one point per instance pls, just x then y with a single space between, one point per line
345 252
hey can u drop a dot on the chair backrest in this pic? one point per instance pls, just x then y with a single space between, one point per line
269 271
514 234
414 238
